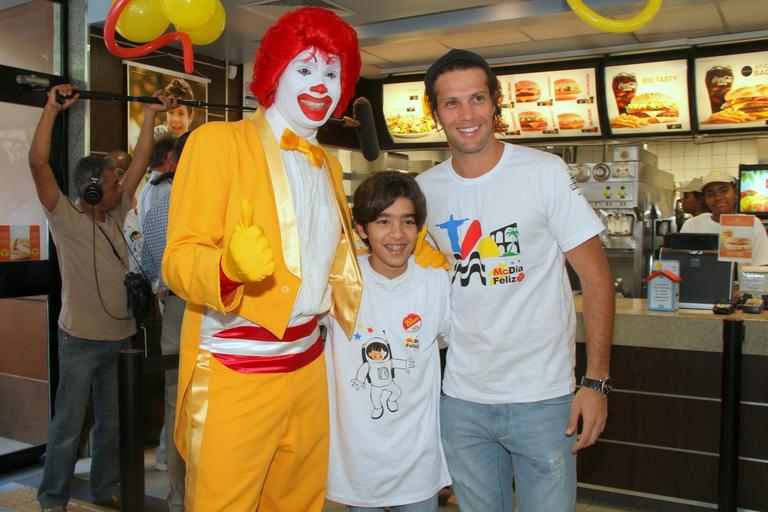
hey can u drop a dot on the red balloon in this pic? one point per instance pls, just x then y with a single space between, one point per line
146 48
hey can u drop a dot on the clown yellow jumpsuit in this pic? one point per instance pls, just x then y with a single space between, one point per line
254 439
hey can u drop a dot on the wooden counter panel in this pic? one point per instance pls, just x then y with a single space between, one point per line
680 372
667 473
682 423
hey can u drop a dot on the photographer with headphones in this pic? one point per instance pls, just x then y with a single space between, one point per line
95 321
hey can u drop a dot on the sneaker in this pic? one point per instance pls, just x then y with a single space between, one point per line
112 502
161 466
392 406
377 413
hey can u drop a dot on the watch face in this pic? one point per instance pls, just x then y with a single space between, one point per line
607 386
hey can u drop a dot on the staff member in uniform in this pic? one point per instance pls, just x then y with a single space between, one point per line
720 195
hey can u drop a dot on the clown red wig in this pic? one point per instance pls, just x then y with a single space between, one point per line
296 31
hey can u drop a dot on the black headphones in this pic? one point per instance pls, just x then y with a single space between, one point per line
93 193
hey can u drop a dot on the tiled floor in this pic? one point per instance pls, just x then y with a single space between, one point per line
156 489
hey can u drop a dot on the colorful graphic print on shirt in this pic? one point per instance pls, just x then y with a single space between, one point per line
494 257
377 372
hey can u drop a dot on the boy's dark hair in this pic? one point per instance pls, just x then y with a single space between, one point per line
160 150
90 167
380 190
179 88
461 60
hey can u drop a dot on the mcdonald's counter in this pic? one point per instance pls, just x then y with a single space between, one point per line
662 438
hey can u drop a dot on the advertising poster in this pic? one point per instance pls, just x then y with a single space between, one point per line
19 243
649 97
753 191
732 91
144 80
20 210
552 104
736 232
407 114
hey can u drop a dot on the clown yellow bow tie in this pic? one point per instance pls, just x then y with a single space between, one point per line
292 142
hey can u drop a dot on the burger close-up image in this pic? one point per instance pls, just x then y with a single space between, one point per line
527 91
566 89
532 121
656 106
570 121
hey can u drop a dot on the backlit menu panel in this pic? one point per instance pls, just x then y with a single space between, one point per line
551 104
407 114
732 91
650 97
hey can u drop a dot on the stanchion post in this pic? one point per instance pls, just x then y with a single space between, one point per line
728 466
131 394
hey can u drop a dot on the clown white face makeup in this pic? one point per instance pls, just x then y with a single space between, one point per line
309 90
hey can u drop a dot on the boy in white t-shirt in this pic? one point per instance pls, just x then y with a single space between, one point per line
384 382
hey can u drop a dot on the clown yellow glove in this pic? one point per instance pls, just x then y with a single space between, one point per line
248 257
426 255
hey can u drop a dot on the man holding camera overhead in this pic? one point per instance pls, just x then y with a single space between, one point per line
95 321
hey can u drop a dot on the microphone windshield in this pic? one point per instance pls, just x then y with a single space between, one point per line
366 132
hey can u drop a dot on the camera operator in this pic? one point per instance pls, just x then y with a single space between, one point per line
95 322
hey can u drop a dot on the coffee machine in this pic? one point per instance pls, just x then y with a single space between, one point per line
635 201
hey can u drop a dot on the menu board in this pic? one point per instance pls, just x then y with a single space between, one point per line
649 97
732 91
407 114
552 104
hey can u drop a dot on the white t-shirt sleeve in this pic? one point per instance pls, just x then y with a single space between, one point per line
570 218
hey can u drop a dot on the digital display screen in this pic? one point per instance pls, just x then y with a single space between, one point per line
732 91
648 97
753 190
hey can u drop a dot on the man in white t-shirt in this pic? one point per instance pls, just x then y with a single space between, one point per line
720 194
507 217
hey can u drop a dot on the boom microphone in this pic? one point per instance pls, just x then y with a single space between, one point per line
366 131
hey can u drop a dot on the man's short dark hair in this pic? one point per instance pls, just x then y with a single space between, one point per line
461 60
379 191
90 167
160 150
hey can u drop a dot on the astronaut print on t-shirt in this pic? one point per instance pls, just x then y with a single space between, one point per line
377 372
493 257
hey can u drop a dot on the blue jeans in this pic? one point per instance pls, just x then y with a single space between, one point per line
428 505
489 446
85 366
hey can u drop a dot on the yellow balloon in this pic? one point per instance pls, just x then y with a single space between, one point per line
189 13
616 26
142 21
209 32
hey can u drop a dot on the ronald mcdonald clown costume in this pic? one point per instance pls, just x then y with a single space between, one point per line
252 418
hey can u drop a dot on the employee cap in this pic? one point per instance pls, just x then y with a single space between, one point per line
691 186
449 58
716 177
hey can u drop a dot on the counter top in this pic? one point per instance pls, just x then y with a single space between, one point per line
685 329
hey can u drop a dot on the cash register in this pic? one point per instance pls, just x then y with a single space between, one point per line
705 280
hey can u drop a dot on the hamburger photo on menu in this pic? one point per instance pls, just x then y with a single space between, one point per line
570 121
742 105
566 89
648 108
527 91
532 121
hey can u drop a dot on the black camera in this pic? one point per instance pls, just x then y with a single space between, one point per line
139 294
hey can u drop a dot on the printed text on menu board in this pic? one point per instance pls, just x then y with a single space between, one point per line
648 97
549 104
732 91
